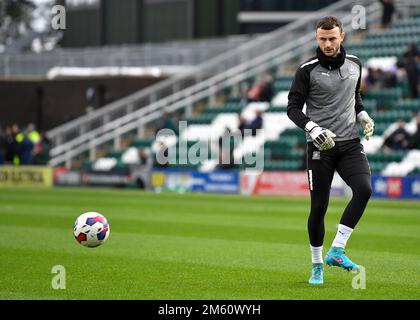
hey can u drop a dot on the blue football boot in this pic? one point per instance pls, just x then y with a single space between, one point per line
317 276
337 257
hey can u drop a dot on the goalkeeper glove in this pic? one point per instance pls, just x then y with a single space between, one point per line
367 123
322 138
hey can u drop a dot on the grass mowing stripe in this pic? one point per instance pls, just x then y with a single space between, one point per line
287 284
367 226
291 236
198 249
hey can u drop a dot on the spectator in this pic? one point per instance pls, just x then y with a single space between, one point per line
142 171
9 145
387 12
160 159
399 139
33 134
42 151
262 91
90 99
389 80
167 122
371 79
410 62
415 138
145 157
256 123
24 149
11 135
3 145
379 79
95 97
28 147
242 126
267 91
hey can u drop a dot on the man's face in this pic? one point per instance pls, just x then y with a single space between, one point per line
329 41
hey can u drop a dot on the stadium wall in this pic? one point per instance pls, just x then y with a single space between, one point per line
49 103
110 22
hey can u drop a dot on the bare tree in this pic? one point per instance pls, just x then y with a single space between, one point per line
26 26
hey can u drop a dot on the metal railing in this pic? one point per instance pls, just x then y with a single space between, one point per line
178 53
249 60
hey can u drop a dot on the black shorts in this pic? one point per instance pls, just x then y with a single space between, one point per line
347 158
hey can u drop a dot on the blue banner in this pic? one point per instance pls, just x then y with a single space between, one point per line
216 181
396 187
191 180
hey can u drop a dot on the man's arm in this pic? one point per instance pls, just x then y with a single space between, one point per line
362 116
297 97
322 138
359 102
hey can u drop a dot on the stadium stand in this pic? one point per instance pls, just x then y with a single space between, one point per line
283 144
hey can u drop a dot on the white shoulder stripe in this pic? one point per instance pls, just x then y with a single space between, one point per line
307 63
350 55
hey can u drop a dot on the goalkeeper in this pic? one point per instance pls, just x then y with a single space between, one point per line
329 85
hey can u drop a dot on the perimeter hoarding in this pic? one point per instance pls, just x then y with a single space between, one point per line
26 176
396 187
275 183
191 180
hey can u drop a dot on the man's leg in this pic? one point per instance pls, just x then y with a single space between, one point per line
361 186
353 167
320 195
320 173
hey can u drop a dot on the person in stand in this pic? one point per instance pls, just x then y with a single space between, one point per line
388 10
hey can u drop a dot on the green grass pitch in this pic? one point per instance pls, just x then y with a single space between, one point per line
197 246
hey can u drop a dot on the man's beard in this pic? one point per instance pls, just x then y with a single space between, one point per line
331 53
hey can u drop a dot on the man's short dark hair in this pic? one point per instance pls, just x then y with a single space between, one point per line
328 23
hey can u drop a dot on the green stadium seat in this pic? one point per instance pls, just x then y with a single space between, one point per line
117 154
369 105
412 105
227 108
142 143
377 167
201 119
384 98
395 156
295 155
283 165
293 134
282 85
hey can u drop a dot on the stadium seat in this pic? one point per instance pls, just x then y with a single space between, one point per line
142 143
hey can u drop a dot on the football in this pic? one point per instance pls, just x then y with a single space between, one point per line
91 229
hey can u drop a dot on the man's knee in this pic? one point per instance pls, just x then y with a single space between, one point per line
318 211
363 189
